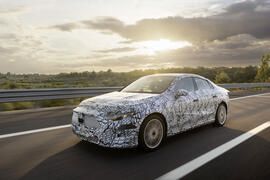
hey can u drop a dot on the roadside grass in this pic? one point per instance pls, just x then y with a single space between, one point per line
39 104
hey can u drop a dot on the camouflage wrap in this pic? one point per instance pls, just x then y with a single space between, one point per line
114 119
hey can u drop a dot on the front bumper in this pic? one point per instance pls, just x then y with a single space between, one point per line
113 134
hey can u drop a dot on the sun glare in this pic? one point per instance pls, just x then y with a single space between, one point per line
152 47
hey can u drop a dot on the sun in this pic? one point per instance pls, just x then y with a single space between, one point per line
152 47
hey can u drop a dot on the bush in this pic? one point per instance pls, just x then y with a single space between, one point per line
222 77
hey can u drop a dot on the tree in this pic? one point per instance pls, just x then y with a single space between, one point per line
263 72
222 77
109 71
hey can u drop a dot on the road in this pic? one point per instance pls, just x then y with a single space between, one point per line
58 154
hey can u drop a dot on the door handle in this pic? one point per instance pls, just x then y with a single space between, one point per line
195 100
214 96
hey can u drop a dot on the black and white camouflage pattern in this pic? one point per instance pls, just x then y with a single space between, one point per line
181 114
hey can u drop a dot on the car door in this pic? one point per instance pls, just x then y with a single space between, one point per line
214 101
206 97
185 107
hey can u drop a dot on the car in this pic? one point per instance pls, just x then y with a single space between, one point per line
150 109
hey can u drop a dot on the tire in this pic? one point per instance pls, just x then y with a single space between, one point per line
221 115
152 133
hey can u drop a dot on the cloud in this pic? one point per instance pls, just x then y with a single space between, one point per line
237 35
8 36
66 26
7 51
12 10
104 22
21 47
247 17
117 50
239 50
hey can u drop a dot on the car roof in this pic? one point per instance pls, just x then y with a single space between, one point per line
178 75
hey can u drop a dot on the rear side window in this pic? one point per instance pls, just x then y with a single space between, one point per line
185 83
202 84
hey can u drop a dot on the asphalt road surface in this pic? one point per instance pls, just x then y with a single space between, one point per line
58 154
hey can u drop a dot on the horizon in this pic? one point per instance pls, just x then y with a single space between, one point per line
157 69
50 37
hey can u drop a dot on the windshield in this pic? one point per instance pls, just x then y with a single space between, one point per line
149 84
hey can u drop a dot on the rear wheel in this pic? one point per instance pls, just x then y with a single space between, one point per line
221 115
152 133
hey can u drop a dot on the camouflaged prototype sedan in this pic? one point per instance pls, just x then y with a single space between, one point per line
150 109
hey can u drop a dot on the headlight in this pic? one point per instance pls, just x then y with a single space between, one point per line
75 117
122 116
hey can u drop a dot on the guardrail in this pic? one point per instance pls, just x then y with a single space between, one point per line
20 95
244 85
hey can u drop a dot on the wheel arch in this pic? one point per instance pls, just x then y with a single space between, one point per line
225 104
162 117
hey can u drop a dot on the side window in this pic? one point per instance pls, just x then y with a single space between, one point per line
185 83
211 85
202 84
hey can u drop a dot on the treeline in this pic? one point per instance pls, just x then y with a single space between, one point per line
109 78
247 74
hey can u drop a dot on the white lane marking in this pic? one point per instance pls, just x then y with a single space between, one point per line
69 125
205 158
34 131
263 96
255 95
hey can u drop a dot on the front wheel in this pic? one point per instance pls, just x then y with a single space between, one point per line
221 115
152 133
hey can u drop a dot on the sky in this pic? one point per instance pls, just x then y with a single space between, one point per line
53 36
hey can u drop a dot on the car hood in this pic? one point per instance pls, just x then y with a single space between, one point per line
118 99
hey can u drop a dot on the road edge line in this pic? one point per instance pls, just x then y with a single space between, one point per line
33 131
243 97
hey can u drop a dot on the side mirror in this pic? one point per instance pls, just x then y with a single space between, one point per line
181 92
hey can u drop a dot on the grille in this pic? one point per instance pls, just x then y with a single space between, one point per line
90 121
